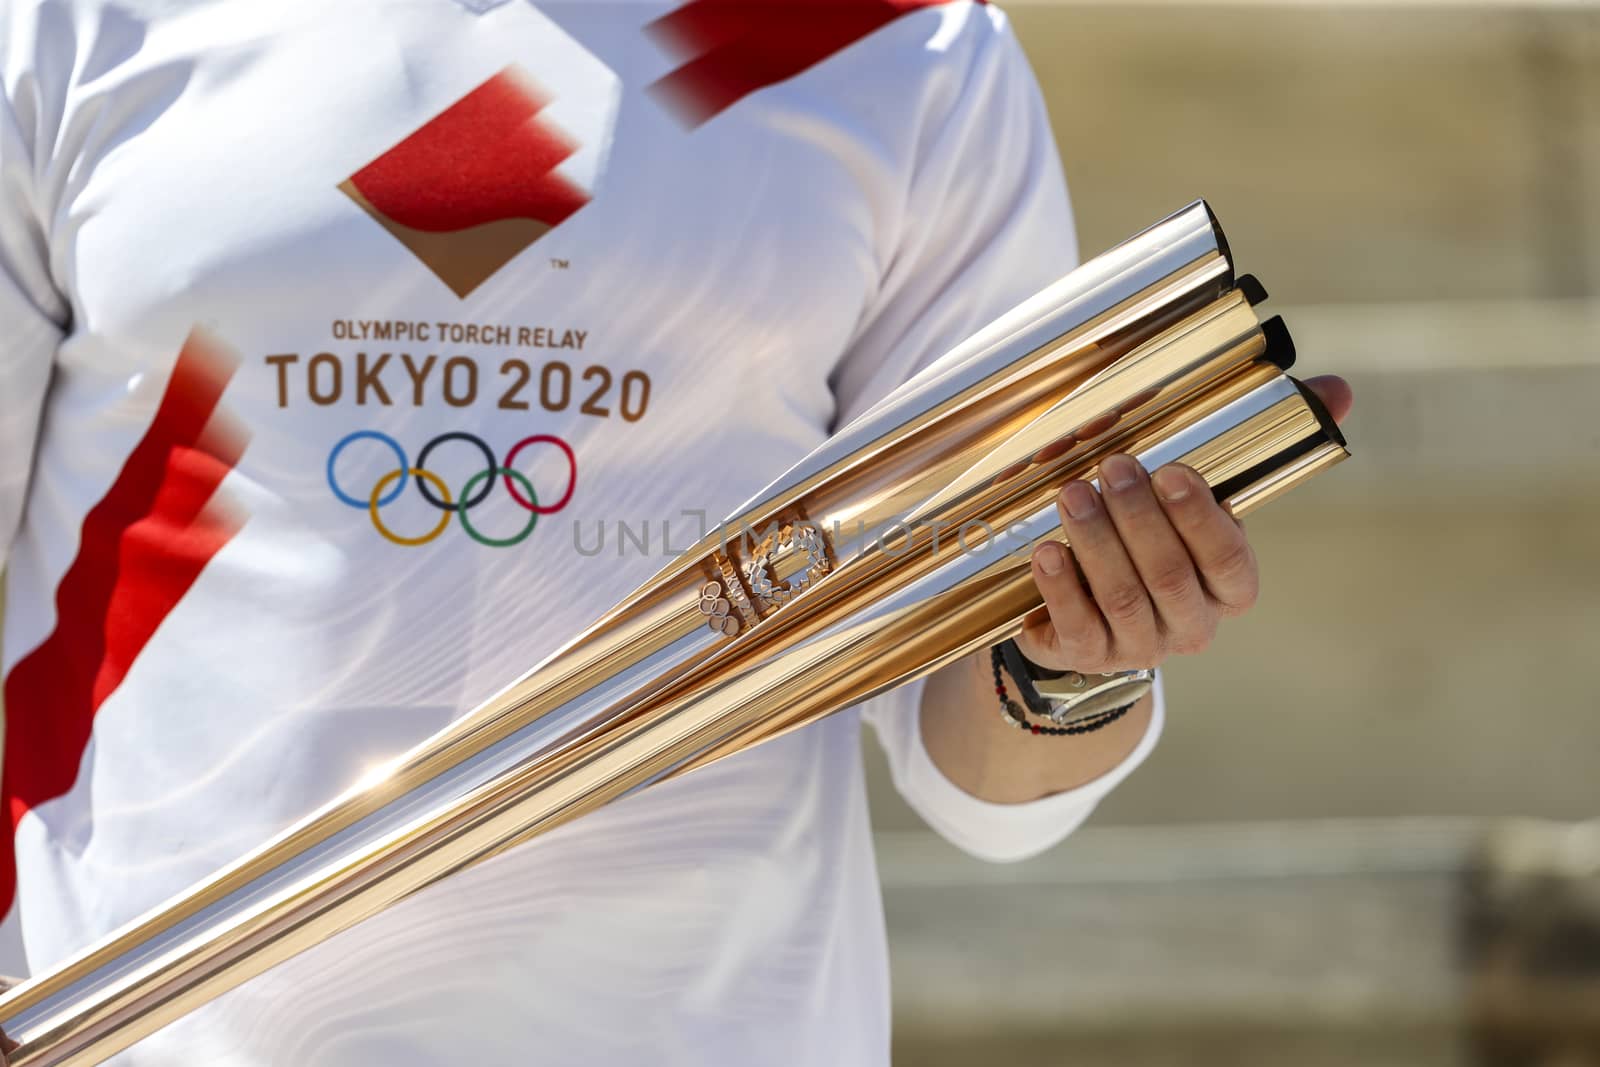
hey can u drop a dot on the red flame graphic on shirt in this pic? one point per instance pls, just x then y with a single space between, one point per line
475 185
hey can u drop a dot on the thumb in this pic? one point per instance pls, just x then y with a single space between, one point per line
1335 394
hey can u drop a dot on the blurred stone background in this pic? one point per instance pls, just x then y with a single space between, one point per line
1365 787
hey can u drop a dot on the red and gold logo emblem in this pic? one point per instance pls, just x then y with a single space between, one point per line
477 184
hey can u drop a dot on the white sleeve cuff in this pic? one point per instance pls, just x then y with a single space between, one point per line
999 833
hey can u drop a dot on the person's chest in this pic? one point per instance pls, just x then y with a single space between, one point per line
496 329
409 220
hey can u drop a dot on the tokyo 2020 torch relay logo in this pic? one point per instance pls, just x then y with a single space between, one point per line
436 492
480 182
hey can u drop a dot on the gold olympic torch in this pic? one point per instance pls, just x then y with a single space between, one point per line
897 546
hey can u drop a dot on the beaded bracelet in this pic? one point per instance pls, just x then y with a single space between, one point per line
1016 716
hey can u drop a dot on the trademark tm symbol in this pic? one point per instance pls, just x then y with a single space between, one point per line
559 264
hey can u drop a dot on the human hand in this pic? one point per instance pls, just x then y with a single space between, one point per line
1159 564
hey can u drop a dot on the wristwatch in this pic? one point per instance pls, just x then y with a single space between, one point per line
1067 697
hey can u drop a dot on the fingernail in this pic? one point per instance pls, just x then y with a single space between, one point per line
1081 500
1172 484
1119 472
1051 559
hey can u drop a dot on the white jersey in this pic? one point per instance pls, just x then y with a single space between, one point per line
355 354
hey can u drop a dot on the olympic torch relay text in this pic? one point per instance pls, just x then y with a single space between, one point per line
459 333
392 368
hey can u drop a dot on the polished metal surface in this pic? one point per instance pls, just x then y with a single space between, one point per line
832 585
1075 697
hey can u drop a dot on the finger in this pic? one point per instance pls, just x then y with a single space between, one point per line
1118 591
1216 542
1187 614
1075 637
1335 394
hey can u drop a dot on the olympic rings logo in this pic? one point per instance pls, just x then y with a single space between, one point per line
387 489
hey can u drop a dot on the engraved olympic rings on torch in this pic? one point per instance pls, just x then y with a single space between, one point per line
436 492
716 608
796 548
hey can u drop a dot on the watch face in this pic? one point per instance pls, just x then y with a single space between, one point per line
1062 686
1100 694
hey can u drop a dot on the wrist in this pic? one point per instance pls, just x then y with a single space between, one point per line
1068 698
966 740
